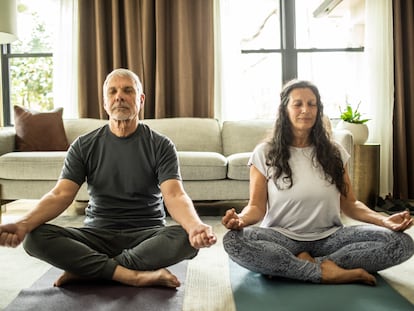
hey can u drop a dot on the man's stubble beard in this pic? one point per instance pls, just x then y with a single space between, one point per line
120 116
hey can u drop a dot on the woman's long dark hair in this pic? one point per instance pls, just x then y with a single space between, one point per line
326 152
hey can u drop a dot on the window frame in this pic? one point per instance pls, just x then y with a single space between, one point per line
289 52
6 56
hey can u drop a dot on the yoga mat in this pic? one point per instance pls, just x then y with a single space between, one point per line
252 291
103 295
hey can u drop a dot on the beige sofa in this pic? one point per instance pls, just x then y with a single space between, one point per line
213 157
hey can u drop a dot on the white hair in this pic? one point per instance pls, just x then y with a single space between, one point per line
122 72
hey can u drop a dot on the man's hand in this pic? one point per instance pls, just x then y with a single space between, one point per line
202 236
11 235
399 221
231 220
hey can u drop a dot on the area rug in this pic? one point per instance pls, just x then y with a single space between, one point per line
253 291
99 295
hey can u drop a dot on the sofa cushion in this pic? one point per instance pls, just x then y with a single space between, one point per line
237 166
32 165
39 131
25 165
7 139
243 136
190 134
202 165
78 127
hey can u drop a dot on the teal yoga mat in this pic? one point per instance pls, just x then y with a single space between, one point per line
253 292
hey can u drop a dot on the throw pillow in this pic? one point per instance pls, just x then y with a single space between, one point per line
39 131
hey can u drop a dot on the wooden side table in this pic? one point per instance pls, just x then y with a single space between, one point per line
366 173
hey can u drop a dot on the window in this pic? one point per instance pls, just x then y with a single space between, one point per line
27 64
268 42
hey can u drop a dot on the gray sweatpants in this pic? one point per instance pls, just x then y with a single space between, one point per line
269 252
95 253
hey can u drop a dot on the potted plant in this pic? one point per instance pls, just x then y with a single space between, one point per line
351 119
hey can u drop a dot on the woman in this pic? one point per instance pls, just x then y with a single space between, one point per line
299 185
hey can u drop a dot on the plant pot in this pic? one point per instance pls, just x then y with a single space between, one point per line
359 131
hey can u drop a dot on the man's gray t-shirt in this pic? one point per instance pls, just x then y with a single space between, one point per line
123 175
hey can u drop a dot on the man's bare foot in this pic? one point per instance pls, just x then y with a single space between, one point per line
333 274
160 277
66 278
306 256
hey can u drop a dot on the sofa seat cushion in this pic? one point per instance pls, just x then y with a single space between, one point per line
202 165
237 166
25 165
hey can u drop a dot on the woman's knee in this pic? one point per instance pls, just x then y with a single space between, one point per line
407 246
230 242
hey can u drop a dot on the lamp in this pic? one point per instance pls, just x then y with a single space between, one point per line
8 24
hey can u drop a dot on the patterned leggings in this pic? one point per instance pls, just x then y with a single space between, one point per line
269 252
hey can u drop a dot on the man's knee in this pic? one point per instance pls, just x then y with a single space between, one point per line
33 241
36 241
180 236
169 246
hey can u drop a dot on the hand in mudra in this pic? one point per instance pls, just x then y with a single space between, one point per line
231 220
11 235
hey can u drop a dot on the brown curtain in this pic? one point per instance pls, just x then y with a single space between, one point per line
403 121
169 44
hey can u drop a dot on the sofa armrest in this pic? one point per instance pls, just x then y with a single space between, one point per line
345 138
7 140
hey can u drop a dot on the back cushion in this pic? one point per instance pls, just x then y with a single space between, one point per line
77 127
190 134
243 136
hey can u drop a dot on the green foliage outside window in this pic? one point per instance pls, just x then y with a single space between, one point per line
31 76
31 82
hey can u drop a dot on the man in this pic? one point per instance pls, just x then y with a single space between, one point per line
132 173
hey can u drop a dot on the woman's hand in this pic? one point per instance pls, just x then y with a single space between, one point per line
398 222
231 220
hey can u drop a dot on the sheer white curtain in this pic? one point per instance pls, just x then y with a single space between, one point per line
65 59
380 83
229 103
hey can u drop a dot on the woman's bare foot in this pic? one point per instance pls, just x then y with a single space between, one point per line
65 278
306 256
333 274
160 277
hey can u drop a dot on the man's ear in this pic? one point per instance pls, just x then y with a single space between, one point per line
141 101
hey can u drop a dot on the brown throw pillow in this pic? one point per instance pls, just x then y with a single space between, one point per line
39 131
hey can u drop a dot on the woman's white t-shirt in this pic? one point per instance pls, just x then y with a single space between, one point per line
308 211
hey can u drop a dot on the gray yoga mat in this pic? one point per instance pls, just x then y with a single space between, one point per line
102 296
253 291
